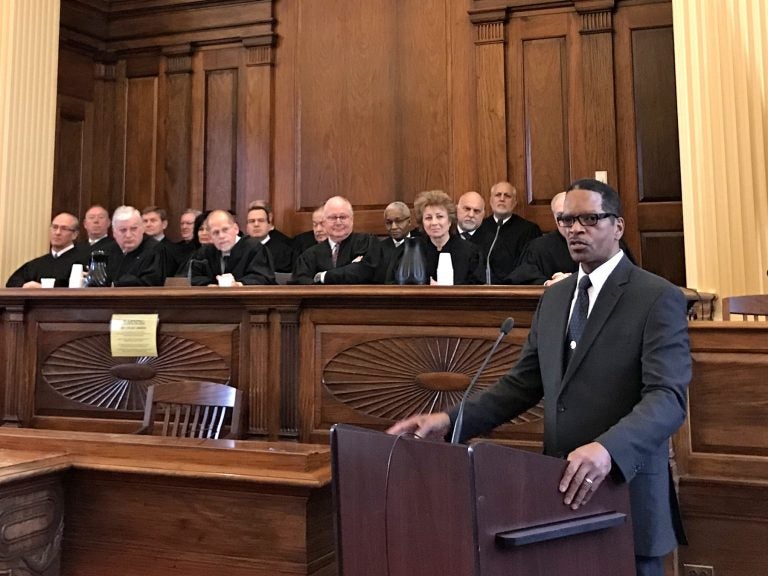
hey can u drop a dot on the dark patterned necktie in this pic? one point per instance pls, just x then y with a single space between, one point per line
335 254
224 260
578 317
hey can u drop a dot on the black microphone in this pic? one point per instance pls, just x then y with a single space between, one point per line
506 326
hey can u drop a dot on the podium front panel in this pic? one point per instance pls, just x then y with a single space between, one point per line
404 506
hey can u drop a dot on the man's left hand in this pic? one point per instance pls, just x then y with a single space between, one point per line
588 466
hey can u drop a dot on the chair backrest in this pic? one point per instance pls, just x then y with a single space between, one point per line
193 409
753 306
283 277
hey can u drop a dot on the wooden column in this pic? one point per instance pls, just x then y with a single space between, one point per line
491 98
598 130
174 193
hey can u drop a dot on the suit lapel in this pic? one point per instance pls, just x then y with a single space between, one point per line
609 296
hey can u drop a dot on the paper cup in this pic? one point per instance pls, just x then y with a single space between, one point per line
226 280
47 282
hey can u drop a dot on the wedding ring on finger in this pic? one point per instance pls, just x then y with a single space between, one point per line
588 482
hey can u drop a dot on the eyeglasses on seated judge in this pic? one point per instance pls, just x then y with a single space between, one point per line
568 220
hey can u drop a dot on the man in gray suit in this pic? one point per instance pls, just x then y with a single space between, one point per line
612 360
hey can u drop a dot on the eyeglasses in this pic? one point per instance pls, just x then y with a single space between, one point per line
566 220
338 218
57 228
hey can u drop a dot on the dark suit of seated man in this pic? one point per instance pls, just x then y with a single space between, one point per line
230 260
346 257
136 260
58 262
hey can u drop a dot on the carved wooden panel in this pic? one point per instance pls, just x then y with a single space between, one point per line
31 527
395 378
78 376
85 371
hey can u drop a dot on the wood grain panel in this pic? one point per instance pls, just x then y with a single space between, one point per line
658 146
69 161
221 102
422 102
546 117
140 141
722 420
545 110
115 516
726 525
176 127
347 124
664 254
491 105
647 135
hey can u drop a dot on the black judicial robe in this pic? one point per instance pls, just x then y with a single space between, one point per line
513 236
542 258
144 266
47 266
249 262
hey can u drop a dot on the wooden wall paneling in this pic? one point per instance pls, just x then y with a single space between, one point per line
256 351
726 525
491 101
72 163
422 101
173 185
545 117
290 216
463 94
649 171
141 131
14 368
347 83
105 186
222 109
256 159
290 359
598 109
544 110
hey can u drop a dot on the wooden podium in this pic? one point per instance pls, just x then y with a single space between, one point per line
409 507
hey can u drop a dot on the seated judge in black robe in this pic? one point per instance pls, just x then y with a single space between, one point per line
437 215
246 259
356 258
541 259
58 262
137 260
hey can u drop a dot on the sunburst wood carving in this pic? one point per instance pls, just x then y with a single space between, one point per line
397 377
84 370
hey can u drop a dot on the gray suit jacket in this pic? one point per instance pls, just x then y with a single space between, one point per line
625 388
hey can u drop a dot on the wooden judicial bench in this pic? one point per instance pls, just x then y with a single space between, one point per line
308 357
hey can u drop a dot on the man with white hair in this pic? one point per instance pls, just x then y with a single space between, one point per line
347 257
138 260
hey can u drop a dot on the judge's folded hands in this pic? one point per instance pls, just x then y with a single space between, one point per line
426 426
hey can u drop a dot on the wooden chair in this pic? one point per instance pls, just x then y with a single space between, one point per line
753 306
193 409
